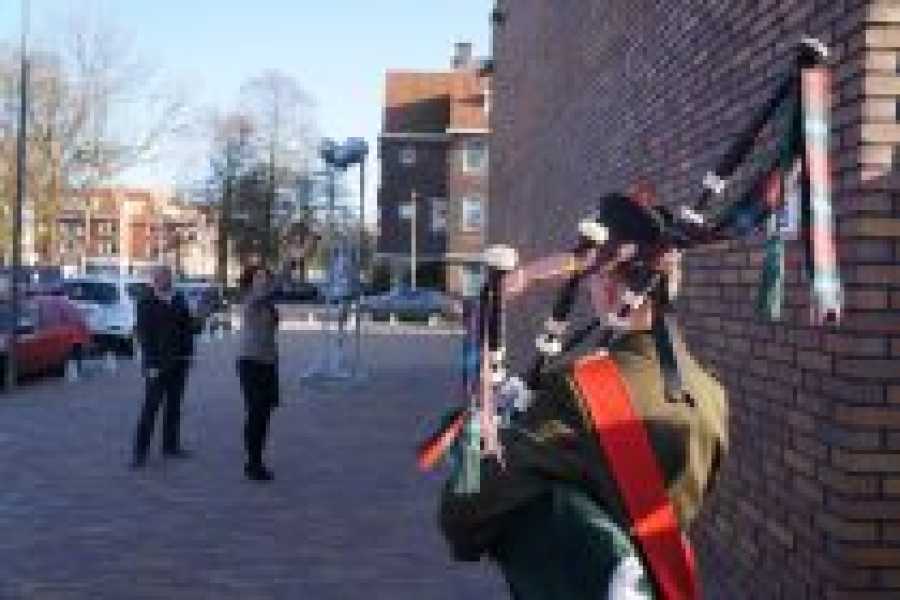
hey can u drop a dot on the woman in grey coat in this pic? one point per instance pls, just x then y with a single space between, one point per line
257 362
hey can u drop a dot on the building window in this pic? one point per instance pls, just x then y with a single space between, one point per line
475 156
438 215
106 228
408 155
108 248
471 281
472 217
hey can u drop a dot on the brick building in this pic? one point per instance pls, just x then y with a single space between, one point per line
124 230
591 96
434 148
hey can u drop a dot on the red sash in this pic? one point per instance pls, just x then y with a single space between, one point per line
626 445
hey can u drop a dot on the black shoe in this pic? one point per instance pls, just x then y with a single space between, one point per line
258 473
177 453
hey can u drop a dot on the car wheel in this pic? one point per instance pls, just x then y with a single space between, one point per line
77 354
58 370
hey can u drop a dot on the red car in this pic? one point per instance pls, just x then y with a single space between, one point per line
51 331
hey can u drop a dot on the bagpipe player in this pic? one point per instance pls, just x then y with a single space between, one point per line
602 474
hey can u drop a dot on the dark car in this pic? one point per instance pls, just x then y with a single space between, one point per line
50 331
411 305
301 293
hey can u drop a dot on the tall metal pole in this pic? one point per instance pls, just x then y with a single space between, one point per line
359 261
270 257
225 219
21 173
413 266
362 214
332 193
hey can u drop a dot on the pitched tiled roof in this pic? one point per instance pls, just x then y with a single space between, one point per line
432 102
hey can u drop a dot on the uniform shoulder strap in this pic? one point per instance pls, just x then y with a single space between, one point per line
621 434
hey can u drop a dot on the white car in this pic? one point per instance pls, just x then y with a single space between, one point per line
109 308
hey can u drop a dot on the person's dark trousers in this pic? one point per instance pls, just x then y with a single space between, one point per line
259 384
167 387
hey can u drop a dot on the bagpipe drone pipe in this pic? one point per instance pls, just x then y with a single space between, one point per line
774 177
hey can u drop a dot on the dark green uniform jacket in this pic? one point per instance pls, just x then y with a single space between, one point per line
552 516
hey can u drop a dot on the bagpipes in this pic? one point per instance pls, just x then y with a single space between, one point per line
785 187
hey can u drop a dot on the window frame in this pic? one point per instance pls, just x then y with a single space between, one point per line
471 280
464 223
439 204
405 210
408 155
467 166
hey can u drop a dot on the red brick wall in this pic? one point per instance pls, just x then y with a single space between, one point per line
592 95
428 177
459 185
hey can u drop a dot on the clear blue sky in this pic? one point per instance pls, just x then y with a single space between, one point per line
338 49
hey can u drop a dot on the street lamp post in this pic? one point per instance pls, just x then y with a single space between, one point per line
364 149
413 240
21 172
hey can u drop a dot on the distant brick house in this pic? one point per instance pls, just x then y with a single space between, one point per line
434 149
591 96
125 230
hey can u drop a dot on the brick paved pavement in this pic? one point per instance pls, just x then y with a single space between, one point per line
348 517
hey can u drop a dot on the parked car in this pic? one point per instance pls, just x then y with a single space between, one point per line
412 305
50 331
298 293
339 291
109 307
207 298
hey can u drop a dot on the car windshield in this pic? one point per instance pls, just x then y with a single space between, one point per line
96 292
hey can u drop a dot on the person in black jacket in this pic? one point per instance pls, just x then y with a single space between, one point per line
165 329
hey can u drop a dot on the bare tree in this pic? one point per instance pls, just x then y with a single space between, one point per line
229 154
96 110
286 143
85 90
118 110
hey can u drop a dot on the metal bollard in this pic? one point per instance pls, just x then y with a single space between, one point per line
110 364
72 370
